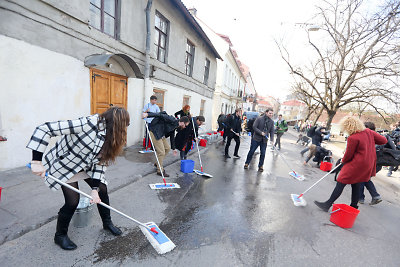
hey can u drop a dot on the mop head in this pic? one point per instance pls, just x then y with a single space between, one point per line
164 186
298 201
202 173
297 176
160 242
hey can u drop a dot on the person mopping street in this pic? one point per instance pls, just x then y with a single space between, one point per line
263 127
281 128
359 161
185 137
161 127
87 146
233 128
150 107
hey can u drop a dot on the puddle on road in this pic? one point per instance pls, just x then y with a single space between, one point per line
133 245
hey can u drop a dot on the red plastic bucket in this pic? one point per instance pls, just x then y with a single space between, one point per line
0 191
222 133
343 215
326 166
203 142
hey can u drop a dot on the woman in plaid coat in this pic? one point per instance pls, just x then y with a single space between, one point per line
87 146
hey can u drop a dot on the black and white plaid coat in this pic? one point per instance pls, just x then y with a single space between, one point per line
77 150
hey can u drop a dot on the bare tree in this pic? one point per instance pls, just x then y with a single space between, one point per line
312 106
359 59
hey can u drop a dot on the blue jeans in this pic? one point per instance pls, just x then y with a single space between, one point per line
253 147
371 188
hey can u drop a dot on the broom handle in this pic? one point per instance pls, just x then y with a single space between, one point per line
319 180
197 145
90 197
155 153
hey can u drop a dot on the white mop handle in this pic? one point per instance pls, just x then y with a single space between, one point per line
197 145
101 203
321 179
284 160
155 152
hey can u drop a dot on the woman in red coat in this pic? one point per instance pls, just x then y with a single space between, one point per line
359 161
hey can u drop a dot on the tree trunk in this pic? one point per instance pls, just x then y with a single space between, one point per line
331 114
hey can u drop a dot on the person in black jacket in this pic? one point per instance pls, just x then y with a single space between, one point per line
233 128
263 131
162 126
316 138
185 137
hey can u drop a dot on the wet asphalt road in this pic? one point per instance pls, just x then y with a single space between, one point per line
237 218
246 218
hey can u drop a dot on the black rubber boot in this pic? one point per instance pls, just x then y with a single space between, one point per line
323 205
61 238
106 216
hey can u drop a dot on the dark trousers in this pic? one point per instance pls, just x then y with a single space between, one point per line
183 154
228 143
253 146
225 134
371 188
355 194
278 140
72 200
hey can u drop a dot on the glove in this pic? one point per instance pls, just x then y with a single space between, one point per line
37 168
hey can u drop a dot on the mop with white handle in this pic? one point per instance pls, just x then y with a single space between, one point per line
298 200
161 243
164 185
198 151
292 173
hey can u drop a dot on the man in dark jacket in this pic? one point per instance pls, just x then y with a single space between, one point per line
185 137
162 126
233 128
263 126
316 138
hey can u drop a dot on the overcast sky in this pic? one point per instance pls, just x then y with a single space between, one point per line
252 26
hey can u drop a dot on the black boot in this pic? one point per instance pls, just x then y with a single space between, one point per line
106 218
323 205
61 238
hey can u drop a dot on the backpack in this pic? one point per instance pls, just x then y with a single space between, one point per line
311 131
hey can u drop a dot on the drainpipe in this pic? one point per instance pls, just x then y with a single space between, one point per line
147 83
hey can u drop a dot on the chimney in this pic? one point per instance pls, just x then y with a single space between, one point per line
193 11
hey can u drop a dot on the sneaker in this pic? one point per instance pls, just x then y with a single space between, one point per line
260 169
246 166
302 154
322 205
361 201
375 201
236 156
389 174
227 156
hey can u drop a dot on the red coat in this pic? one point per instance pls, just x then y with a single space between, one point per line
360 157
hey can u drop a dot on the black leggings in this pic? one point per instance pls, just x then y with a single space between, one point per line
72 198
355 194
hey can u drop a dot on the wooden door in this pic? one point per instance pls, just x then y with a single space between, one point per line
107 90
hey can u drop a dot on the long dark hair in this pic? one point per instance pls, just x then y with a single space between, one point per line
116 120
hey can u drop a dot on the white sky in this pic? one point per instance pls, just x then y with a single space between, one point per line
252 26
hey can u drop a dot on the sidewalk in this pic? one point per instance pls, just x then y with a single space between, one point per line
27 204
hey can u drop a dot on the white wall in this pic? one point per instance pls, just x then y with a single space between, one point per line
173 99
36 85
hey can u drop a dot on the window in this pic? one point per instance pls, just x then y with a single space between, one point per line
206 71
186 100
161 36
103 16
202 104
160 98
189 58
